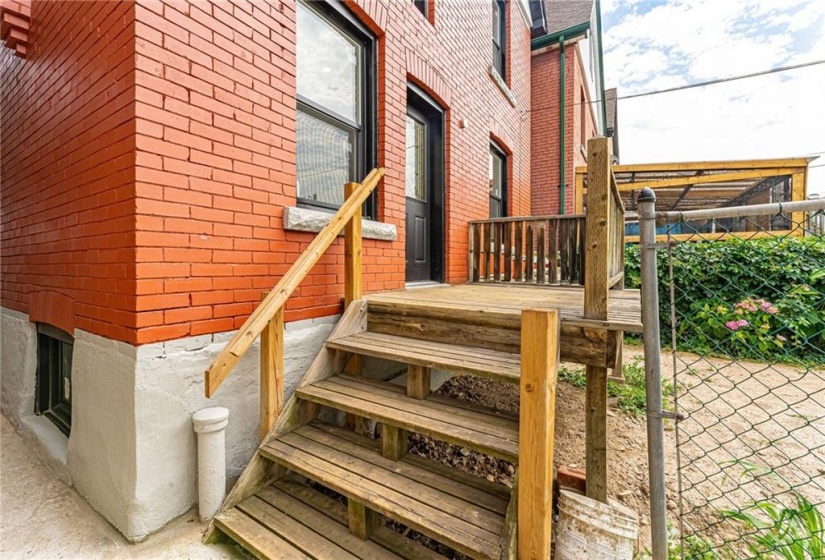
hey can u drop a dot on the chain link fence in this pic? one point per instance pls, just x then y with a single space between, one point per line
744 316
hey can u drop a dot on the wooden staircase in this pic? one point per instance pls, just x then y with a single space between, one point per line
289 511
318 489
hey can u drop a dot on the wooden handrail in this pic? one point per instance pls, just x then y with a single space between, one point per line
527 219
272 303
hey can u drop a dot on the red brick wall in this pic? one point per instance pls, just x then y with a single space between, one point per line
67 167
546 130
216 151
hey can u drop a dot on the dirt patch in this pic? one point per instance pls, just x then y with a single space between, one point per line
627 449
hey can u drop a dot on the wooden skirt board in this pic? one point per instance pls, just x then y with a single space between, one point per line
458 514
501 300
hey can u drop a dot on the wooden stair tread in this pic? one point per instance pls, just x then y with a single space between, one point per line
505 366
441 507
387 403
291 520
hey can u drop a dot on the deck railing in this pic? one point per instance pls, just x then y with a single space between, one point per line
537 250
267 320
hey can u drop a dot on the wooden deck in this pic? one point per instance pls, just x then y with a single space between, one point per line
624 306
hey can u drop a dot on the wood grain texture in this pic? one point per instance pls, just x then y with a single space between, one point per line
272 372
341 465
353 267
361 519
596 433
540 360
418 381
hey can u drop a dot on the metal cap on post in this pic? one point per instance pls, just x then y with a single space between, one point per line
653 373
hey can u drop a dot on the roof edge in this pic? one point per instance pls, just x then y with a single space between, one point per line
553 38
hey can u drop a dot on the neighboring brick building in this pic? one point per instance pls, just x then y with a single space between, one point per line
568 57
161 163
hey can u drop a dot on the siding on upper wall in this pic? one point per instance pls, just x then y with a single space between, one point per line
545 128
67 194
215 106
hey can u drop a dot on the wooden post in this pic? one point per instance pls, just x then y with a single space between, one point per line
596 277
362 520
539 367
272 372
393 442
353 289
418 381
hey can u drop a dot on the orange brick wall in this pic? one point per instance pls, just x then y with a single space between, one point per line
545 127
148 151
67 169
215 106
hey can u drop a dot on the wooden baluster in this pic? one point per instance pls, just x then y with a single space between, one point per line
508 251
582 249
537 396
541 238
479 252
496 252
564 242
553 250
272 371
486 241
519 252
530 256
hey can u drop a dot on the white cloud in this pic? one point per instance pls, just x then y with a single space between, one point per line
650 47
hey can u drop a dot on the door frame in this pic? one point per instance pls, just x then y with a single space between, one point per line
423 105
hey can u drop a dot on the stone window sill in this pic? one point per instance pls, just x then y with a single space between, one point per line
305 219
502 85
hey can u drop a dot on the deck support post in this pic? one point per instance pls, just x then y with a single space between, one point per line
361 519
596 286
539 368
393 442
418 381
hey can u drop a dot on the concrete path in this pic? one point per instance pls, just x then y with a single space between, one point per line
40 517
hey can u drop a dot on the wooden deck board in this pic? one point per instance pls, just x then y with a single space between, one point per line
362 474
500 365
624 306
389 404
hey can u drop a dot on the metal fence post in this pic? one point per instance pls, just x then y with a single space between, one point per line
653 374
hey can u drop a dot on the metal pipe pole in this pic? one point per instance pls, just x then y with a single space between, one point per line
653 374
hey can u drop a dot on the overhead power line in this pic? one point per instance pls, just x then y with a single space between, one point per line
722 80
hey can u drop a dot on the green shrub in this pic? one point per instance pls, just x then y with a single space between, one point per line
759 299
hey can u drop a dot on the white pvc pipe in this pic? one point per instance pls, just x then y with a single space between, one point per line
209 424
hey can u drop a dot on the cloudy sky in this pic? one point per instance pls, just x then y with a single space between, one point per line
652 45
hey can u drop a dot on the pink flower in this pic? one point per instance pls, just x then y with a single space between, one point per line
771 310
732 325
765 305
742 323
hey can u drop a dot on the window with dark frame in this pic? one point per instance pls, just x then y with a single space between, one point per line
53 388
422 6
499 37
498 182
335 107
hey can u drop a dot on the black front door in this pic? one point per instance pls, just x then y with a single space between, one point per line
424 189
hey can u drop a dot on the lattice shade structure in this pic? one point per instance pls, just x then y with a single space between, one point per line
709 184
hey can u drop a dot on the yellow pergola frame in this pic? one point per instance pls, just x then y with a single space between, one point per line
734 170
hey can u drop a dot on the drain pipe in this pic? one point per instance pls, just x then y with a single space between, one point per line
210 424
562 118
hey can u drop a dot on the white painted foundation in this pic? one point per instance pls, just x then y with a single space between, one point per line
132 452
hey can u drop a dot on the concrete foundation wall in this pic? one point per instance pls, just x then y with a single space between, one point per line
132 451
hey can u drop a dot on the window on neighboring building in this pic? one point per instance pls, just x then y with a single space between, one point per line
499 37
498 182
422 6
335 103
54 376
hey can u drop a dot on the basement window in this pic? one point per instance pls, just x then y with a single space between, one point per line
53 390
422 6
